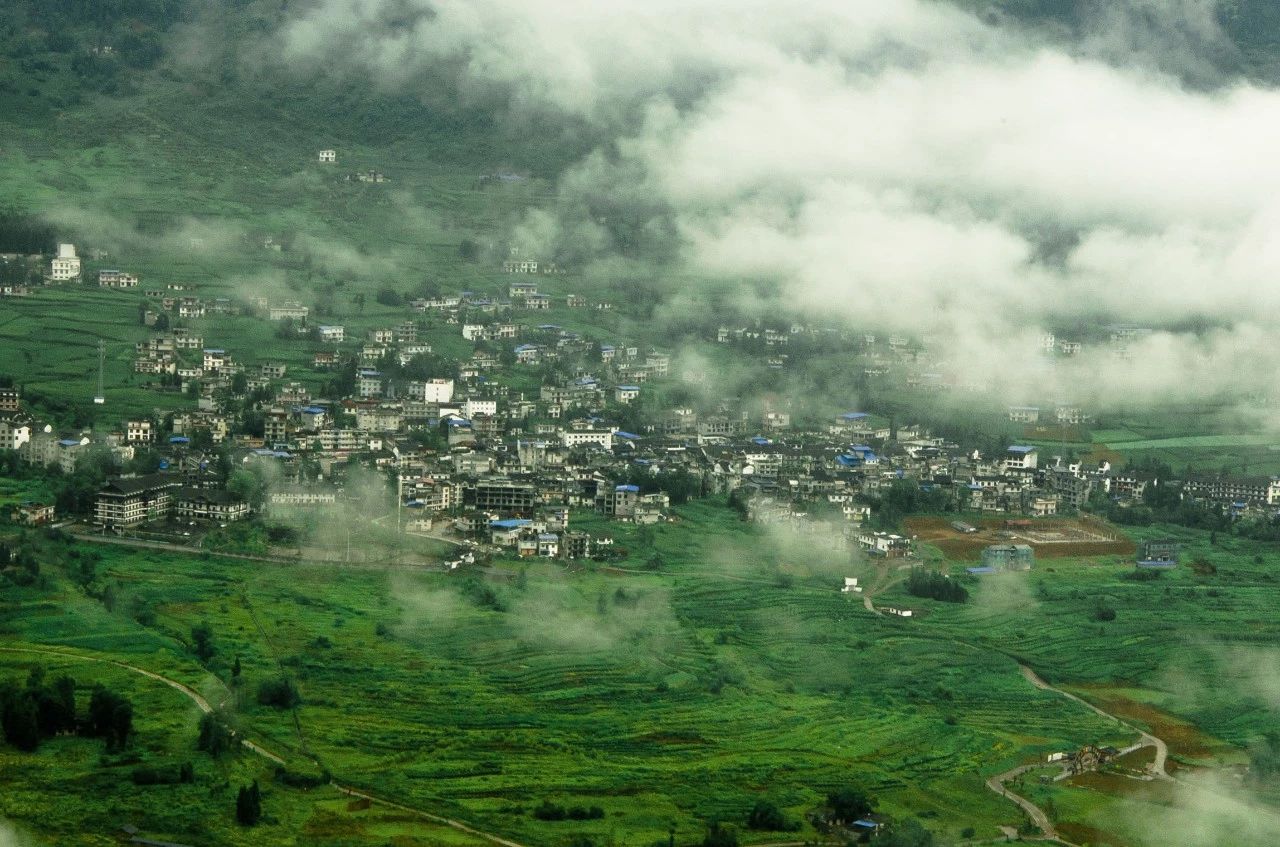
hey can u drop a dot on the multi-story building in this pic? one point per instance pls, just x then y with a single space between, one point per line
127 501
501 495
206 505
66 265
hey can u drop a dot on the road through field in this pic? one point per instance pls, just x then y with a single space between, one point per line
203 704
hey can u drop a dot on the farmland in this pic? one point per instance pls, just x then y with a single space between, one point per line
665 697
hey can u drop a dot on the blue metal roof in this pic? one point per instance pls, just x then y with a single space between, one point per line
980 570
1017 448
853 416
632 488
630 436
628 388
761 440
510 523
179 439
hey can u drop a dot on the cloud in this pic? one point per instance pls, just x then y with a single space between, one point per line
897 164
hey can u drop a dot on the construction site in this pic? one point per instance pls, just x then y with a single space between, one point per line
1051 538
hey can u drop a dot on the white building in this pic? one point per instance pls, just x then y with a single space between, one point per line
66 265
332 334
474 407
329 157
13 433
432 391
602 437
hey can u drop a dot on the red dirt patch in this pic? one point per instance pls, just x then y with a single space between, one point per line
1184 738
1079 833
1052 538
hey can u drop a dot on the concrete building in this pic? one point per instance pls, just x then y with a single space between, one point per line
127 501
1008 557
66 265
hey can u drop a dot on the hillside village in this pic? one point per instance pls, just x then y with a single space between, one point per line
475 449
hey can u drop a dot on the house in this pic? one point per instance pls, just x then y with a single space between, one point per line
32 513
10 400
65 265
575 545
288 311
139 432
328 157
1008 557
527 354
851 586
1158 553
521 290
116 279
884 544
332 334
272 370
626 393
127 501
369 384
1024 414
576 301
15 431
520 266
1044 507
1021 458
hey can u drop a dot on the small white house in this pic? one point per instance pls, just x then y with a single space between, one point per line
851 586
328 157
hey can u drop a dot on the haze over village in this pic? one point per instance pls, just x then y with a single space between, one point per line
656 424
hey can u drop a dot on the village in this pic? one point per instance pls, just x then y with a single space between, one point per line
465 454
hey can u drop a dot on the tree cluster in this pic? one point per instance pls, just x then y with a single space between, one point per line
927 583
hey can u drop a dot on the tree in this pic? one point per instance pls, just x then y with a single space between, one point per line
249 805
20 718
279 693
110 718
202 642
720 836
214 738
907 833
848 805
235 668
767 816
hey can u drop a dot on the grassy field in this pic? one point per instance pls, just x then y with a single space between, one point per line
736 672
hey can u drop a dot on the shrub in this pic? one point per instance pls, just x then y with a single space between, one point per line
279 693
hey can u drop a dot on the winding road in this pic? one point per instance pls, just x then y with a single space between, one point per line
203 704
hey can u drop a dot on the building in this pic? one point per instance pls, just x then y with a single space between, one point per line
288 311
332 334
116 279
15 431
32 513
328 157
1024 414
575 545
1021 458
501 495
520 266
10 401
127 501
139 432
884 544
66 265
619 500
1223 489
626 393
1158 553
577 438
1009 557
204 505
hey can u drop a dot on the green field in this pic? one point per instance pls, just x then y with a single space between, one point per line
737 672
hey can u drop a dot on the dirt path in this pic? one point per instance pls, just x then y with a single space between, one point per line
1037 815
1146 739
203 704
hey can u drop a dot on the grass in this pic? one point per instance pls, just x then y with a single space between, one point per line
694 692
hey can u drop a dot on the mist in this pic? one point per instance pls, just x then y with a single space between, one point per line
904 165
